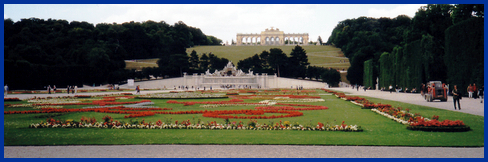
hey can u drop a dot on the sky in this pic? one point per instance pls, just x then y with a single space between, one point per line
223 21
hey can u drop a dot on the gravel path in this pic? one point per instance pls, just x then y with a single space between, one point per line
238 151
471 106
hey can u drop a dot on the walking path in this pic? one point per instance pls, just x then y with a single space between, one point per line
471 106
468 105
238 151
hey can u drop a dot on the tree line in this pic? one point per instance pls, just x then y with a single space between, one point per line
441 42
177 64
40 52
275 61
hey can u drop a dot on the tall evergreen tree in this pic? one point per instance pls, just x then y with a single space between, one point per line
204 62
277 59
298 62
194 60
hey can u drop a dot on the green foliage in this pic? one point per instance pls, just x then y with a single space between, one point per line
330 76
465 54
407 52
298 62
194 60
276 61
368 74
61 52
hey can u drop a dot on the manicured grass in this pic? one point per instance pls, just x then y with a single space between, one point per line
378 130
323 56
142 63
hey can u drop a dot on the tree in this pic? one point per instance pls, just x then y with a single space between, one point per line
174 65
66 53
194 60
298 61
204 62
331 77
462 12
277 59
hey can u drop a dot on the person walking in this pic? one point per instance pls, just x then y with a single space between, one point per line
423 89
480 93
391 88
76 88
54 89
475 90
456 96
67 89
470 91
5 90
49 89
138 90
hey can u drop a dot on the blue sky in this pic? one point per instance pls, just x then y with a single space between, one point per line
223 21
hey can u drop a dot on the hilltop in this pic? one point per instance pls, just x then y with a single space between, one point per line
323 56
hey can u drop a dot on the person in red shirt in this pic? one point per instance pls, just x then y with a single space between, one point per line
474 89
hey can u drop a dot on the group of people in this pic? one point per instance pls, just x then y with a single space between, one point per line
397 89
69 88
53 89
73 89
474 92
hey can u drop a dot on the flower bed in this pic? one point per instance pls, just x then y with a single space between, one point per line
224 114
440 129
234 104
11 99
188 103
109 123
83 96
182 96
95 102
290 108
296 100
415 121
438 126
269 97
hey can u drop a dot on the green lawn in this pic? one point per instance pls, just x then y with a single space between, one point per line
141 64
323 56
378 130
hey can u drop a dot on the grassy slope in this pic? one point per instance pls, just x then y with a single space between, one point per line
378 130
324 56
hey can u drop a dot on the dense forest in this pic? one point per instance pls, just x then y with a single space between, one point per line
441 42
41 52
295 66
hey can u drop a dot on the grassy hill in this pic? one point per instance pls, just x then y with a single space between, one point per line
139 64
323 56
